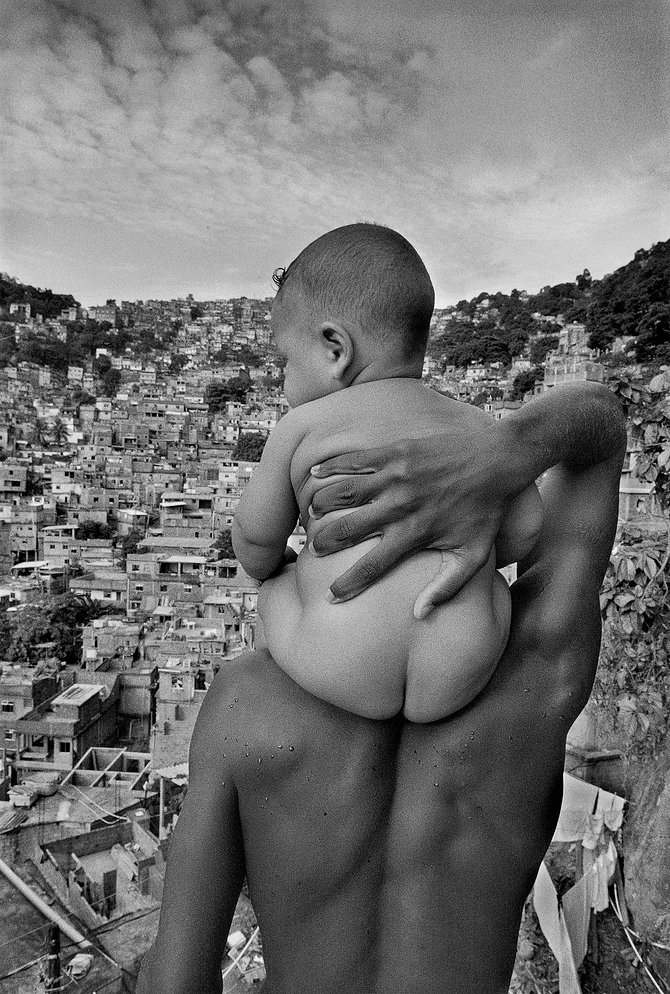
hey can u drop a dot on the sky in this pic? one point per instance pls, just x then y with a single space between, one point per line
155 148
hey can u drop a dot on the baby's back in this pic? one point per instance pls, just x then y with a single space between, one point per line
370 655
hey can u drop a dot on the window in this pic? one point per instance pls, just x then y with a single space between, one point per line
177 683
8 707
139 587
163 587
64 746
10 735
188 587
135 567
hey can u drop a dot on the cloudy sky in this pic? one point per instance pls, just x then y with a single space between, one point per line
152 148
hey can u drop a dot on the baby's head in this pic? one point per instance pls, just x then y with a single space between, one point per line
355 305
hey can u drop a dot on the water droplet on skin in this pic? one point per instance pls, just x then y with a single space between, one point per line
325 814
267 798
434 783
231 705
236 699
291 749
281 746
260 760
272 756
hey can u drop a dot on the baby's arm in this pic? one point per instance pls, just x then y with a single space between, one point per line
267 511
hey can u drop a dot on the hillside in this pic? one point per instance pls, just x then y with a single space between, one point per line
633 301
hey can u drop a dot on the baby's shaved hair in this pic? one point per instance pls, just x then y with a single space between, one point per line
369 273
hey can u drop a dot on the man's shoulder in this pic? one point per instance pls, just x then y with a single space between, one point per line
248 698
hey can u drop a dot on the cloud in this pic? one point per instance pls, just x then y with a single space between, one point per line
204 142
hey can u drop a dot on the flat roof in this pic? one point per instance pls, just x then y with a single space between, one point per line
78 693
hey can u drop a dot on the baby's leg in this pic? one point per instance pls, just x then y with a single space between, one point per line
280 613
455 650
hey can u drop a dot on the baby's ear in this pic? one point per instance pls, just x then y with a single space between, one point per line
339 347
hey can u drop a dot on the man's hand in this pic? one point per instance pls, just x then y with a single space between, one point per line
451 490
446 491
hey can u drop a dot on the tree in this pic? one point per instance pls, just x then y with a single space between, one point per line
216 396
111 381
539 348
40 434
177 362
524 381
101 365
128 544
59 432
53 619
89 529
225 543
584 280
653 335
249 447
80 397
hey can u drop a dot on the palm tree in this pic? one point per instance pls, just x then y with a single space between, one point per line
59 432
39 436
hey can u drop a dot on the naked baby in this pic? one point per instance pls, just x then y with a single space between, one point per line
351 318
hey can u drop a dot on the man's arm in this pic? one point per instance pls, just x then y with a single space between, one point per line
557 593
267 511
205 871
466 479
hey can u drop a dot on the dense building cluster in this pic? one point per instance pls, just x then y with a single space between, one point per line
120 597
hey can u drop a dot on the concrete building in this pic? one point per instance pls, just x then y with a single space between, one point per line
56 733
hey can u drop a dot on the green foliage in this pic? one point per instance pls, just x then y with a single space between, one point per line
43 302
633 680
524 382
111 381
540 347
93 529
249 447
128 544
53 619
648 409
177 362
59 432
622 301
220 392
102 364
225 543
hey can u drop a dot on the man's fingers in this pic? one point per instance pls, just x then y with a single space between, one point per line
364 573
365 461
352 491
345 531
456 570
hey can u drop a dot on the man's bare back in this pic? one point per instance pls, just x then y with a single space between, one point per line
386 856
380 856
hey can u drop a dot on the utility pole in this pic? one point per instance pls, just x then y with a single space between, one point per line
52 981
